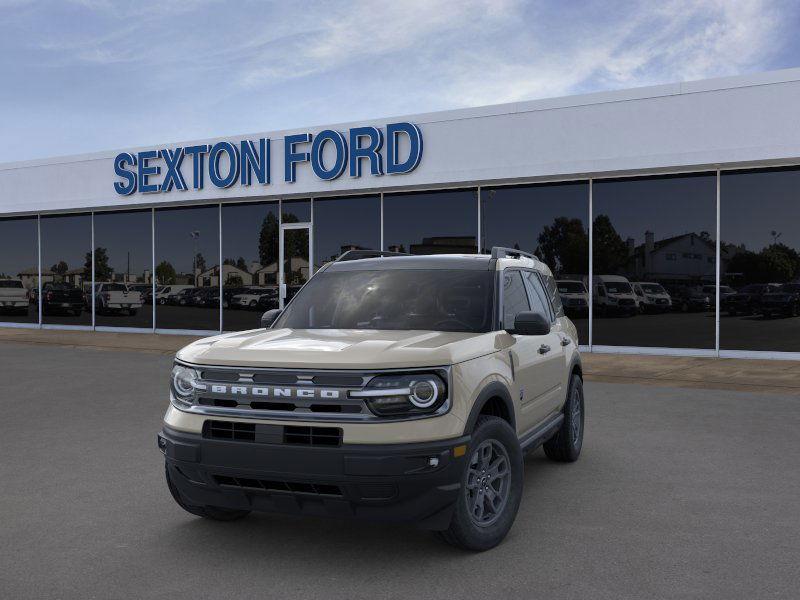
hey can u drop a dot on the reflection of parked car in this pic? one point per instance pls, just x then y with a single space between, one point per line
690 299
228 293
651 297
115 297
181 297
250 297
13 296
725 291
145 289
206 297
613 295
574 296
163 294
747 301
268 301
61 297
784 301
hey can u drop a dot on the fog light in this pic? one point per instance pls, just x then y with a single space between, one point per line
433 461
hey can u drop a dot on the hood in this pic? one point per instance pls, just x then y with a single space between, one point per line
340 348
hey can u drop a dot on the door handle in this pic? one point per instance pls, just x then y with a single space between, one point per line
544 349
565 341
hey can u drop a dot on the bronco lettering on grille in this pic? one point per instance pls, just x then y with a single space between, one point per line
275 392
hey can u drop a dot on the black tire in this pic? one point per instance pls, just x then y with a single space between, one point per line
215 513
566 444
464 531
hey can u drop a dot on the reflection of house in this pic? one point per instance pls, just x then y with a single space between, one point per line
296 270
266 275
210 277
456 244
30 277
686 257
73 276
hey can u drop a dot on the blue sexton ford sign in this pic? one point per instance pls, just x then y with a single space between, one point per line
330 153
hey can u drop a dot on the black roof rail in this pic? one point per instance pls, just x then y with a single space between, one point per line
501 252
359 254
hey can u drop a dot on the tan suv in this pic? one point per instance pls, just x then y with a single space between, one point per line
392 387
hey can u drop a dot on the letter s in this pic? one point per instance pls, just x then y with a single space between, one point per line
129 186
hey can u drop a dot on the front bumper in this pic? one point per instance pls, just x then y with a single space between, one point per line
387 482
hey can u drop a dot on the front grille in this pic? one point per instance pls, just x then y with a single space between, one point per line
230 430
312 436
289 487
263 433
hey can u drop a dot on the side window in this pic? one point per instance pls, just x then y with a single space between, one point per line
537 295
552 293
515 299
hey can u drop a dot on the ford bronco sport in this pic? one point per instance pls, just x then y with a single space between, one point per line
392 387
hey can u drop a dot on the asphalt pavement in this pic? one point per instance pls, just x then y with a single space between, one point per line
679 493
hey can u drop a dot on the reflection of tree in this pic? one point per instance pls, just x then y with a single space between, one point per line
60 268
239 263
165 273
268 240
564 246
102 270
777 263
610 250
200 262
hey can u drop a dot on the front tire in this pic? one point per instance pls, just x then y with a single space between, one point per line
566 444
491 488
214 513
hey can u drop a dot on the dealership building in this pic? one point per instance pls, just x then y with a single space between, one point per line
670 216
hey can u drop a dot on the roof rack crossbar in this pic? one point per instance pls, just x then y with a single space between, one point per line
359 254
501 252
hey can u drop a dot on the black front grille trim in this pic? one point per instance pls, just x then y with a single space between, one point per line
287 487
312 436
230 430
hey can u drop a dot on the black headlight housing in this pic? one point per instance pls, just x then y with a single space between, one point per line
406 394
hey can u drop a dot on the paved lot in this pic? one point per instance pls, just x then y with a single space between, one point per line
679 494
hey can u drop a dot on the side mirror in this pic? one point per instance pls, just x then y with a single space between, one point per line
269 317
531 323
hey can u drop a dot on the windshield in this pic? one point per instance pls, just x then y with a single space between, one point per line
653 288
434 300
571 287
617 287
10 283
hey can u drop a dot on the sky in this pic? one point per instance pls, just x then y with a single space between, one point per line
88 75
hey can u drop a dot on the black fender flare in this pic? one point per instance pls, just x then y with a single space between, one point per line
494 389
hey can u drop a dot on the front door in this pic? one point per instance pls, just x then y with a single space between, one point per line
294 265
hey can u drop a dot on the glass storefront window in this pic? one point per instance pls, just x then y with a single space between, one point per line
67 269
654 261
444 222
19 270
552 221
760 260
249 263
123 265
187 269
296 211
342 224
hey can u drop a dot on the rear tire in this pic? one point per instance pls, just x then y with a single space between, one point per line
566 444
491 488
215 513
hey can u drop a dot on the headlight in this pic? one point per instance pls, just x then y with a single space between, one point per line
185 381
406 394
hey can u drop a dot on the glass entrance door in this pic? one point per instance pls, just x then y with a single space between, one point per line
294 264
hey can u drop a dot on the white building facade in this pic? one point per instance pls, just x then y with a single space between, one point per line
688 184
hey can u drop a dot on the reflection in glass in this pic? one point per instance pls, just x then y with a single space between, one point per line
123 266
552 221
67 269
19 270
250 263
431 222
187 270
654 260
296 211
295 260
760 260
342 224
